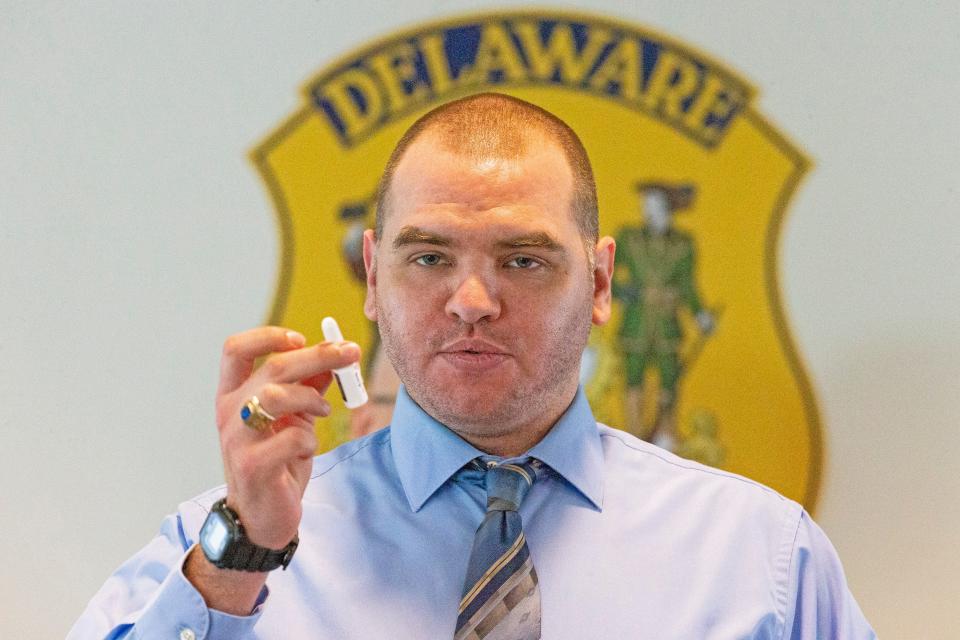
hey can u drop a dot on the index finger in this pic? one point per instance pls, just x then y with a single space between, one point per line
241 350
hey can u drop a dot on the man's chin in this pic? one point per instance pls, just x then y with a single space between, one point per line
470 406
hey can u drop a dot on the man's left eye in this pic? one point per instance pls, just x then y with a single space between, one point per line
523 262
429 260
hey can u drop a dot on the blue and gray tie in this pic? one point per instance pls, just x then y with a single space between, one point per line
501 597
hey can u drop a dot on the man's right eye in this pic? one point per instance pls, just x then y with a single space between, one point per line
428 260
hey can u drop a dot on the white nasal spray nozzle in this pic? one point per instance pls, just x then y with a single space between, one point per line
348 378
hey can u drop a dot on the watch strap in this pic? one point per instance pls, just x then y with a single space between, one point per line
243 555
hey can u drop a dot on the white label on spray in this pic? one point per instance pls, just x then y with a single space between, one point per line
348 378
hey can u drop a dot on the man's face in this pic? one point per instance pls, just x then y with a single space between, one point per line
482 288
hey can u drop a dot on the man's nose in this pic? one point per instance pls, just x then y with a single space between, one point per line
473 300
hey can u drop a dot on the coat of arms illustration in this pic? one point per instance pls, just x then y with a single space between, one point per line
693 182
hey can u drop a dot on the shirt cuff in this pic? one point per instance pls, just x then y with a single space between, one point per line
179 611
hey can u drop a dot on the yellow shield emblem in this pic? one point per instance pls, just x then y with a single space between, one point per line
692 181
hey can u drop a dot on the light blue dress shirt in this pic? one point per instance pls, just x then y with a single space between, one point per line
629 541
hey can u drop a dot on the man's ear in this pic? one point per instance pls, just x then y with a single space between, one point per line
604 254
370 263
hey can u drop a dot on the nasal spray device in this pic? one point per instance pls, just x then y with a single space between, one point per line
348 378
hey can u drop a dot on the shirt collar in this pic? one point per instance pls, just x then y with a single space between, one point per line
427 453
573 449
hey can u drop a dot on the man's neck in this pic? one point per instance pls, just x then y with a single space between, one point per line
506 445
518 439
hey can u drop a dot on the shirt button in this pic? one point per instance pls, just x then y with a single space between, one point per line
187 634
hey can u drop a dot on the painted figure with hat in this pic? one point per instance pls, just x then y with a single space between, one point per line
654 281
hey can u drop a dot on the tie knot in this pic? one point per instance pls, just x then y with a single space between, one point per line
508 484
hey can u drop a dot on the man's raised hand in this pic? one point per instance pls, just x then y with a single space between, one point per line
267 471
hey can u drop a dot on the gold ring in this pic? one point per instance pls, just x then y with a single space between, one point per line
255 416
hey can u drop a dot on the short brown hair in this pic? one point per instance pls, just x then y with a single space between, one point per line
494 123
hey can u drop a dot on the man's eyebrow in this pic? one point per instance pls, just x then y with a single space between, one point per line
537 239
416 235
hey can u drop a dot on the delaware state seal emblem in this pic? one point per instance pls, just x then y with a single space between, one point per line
692 182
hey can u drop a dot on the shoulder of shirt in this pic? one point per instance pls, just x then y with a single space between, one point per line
353 450
322 464
640 451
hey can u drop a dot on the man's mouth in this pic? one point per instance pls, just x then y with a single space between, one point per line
473 346
473 355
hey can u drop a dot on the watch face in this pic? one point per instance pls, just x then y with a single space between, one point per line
214 536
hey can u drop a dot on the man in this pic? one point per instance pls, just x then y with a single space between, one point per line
494 506
654 280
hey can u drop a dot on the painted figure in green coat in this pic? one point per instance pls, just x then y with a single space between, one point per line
654 280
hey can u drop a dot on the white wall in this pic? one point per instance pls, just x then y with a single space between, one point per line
134 236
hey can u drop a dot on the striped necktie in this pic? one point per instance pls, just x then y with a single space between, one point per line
501 597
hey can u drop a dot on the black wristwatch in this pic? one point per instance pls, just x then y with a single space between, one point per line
227 547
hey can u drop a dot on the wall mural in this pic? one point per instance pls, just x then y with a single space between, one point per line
692 182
